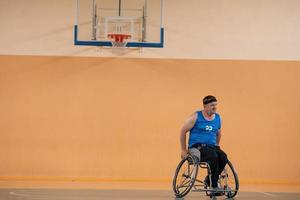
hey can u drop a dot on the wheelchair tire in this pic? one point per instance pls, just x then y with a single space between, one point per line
189 161
236 180
229 194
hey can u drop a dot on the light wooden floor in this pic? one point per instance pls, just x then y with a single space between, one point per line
62 190
88 194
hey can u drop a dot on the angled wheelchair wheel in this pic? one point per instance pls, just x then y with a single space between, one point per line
185 176
229 180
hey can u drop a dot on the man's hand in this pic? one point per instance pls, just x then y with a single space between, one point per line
218 147
184 153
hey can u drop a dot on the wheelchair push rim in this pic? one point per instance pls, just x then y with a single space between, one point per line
185 176
229 181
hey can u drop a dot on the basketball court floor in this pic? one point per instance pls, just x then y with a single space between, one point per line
79 194
64 190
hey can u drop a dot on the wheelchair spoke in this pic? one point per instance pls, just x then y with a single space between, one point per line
227 180
185 184
182 187
185 177
185 180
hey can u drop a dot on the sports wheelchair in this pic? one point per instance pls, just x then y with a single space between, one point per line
187 174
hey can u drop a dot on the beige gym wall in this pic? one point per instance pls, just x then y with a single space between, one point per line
201 29
119 119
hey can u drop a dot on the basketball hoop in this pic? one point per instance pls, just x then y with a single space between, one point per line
118 39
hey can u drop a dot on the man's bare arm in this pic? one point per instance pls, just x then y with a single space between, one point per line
187 126
219 137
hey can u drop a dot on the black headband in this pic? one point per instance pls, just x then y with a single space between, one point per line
209 99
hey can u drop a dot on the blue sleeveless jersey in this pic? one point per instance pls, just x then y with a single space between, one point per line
205 131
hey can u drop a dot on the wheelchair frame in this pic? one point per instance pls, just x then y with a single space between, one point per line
194 182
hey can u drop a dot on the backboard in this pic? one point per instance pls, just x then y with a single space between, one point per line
141 20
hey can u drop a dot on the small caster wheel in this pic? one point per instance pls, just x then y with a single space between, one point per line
229 195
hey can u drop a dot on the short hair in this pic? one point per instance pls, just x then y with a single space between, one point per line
208 99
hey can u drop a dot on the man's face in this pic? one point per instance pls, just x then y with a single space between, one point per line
211 107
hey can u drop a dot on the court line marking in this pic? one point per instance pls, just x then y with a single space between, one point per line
265 193
268 194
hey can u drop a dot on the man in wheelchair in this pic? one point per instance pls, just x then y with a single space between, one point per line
204 127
